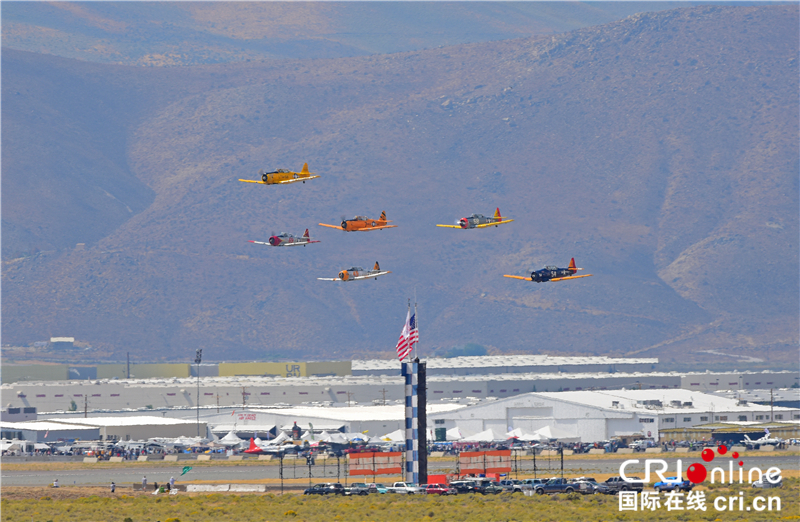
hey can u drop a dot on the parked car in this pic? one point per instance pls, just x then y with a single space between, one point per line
328 488
620 484
439 489
465 486
406 488
378 488
489 487
508 484
358 488
768 481
673 483
590 486
555 485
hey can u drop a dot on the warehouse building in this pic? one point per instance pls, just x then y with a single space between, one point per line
157 394
48 431
600 415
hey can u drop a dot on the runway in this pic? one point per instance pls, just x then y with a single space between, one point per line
328 473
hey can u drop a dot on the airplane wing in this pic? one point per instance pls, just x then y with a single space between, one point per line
449 226
258 242
252 181
375 228
299 244
570 277
492 224
518 277
328 279
294 180
339 227
370 276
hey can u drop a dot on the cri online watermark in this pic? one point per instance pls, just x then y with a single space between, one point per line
680 496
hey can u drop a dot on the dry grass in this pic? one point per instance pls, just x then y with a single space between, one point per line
83 504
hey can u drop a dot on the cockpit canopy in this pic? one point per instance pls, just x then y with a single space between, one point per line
551 267
355 269
359 218
477 216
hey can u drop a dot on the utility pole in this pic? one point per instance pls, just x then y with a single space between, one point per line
349 395
128 373
218 403
771 405
85 405
197 358
383 391
244 396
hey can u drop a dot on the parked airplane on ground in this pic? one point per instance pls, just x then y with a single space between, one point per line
766 440
362 224
357 273
281 176
285 239
479 221
552 273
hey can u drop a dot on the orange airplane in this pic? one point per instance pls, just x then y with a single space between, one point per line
281 176
362 224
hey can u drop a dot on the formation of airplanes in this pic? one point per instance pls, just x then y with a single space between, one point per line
365 224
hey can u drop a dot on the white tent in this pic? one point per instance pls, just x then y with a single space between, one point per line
454 434
554 433
277 440
484 436
230 440
336 438
395 436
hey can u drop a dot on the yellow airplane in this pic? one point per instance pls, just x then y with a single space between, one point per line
479 221
281 176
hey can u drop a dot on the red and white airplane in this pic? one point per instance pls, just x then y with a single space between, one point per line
286 239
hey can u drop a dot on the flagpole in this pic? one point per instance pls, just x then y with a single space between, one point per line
416 323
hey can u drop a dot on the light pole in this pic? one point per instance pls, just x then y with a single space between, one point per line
197 358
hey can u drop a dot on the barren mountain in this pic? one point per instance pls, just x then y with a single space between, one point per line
660 151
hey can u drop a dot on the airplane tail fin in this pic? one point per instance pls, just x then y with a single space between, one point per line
383 216
252 445
305 234
305 168
572 267
377 266
747 438
497 214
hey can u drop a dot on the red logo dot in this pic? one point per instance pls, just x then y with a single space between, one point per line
735 455
741 463
696 473
722 450
707 455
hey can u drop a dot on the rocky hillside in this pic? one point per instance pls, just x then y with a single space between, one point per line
660 151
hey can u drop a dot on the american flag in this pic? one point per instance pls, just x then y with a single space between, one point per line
408 336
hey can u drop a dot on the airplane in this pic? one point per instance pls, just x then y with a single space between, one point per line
362 224
284 239
357 273
766 439
552 273
479 221
269 448
281 176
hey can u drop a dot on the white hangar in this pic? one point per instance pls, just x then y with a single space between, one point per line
601 415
